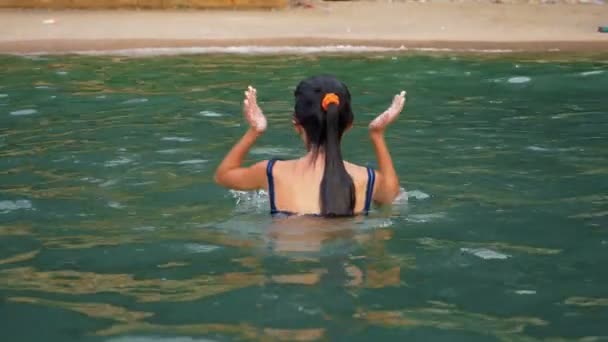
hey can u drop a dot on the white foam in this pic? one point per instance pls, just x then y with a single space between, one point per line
484 253
247 201
136 101
61 73
593 72
6 206
117 162
417 194
178 139
519 79
3 96
402 197
240 50
210 114
42 87
525 292
192 161
253 50
23 112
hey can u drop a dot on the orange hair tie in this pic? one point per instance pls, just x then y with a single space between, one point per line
329 99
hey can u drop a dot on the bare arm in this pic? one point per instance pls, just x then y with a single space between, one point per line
387 181
230 173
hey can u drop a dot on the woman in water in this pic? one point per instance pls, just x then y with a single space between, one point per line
320 182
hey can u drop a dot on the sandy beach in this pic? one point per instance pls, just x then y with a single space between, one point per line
439 25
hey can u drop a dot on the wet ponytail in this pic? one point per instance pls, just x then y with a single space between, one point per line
323 109
337 188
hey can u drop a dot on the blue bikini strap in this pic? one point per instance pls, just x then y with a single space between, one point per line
273 208
371 179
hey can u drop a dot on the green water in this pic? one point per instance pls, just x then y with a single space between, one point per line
111 228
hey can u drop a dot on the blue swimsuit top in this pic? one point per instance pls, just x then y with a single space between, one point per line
273 208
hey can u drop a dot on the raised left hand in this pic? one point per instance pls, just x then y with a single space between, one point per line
252 111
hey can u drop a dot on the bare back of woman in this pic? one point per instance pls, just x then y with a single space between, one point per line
320 182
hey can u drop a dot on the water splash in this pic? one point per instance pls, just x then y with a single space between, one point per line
247 201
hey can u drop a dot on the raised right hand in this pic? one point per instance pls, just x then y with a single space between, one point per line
379 124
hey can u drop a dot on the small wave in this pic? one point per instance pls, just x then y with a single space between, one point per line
3 96
135 101
91 180
544 149
61 73
177 139
116 205
244 50
169 151
109 183
537 149
402 197
157 339
7 206
525 292
144 183
423 218
484 253
210 114
259 50
23 112
272 151
417 194
590 73
192 161
144 229
199 248
519 79
118 162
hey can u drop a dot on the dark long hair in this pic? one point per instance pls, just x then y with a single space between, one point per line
324 129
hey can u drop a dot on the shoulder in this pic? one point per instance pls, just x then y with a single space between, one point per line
358 172
281 165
